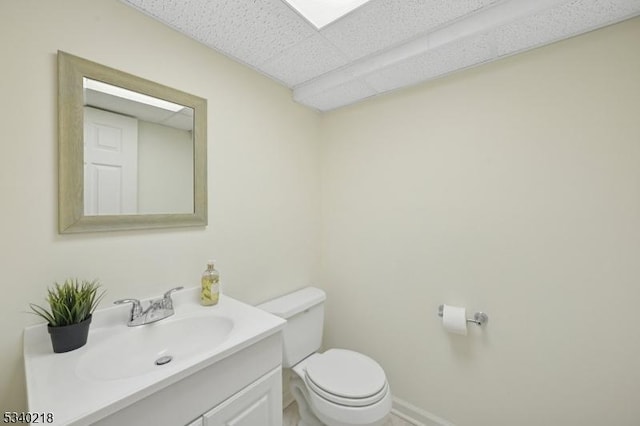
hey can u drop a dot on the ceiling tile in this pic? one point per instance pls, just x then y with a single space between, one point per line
384 44
249 30
335 97
433 63
380 24
565 20
304 61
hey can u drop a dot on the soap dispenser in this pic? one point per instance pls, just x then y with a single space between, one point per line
210 285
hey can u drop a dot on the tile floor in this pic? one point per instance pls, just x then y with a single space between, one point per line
290 418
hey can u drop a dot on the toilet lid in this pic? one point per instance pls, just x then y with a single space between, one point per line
346 374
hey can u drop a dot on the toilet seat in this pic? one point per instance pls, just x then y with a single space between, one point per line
346 378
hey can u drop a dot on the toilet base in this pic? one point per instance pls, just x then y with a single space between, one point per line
298 390
309 417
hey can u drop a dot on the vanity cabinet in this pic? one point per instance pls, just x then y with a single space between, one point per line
259 404
243 389
226 368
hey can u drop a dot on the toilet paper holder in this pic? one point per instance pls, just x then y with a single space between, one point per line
479 318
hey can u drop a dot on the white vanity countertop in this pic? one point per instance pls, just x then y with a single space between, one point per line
54 385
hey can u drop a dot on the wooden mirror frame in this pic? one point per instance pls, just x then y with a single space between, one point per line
71 217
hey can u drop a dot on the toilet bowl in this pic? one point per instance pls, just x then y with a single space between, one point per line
339 387
343 388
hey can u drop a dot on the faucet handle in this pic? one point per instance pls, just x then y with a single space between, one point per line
167 295
166 301
136 308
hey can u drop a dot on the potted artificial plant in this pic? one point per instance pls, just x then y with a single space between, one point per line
71 305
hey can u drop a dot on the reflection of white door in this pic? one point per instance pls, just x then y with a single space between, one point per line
110 163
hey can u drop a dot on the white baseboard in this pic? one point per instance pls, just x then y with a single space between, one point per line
416 416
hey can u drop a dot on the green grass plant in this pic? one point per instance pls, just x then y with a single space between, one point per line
70 303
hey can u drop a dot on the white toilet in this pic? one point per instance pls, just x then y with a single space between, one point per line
336 388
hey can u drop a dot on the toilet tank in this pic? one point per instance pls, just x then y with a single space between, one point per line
304 312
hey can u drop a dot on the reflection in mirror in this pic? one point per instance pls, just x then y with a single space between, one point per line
138 153
132 153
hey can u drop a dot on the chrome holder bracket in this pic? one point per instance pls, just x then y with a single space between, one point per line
479 318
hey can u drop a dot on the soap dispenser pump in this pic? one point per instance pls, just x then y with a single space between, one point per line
210 285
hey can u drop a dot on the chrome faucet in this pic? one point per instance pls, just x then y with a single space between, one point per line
158 309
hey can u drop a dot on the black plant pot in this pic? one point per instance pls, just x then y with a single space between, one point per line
69 337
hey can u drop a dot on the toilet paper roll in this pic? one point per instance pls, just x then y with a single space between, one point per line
454 319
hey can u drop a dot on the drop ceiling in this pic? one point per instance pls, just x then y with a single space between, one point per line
381 46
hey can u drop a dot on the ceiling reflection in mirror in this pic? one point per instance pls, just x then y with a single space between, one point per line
138 153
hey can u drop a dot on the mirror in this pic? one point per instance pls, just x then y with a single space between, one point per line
132 153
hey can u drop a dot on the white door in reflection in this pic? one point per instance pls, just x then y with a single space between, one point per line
110 163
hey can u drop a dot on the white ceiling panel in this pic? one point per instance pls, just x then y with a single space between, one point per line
343 94
433 63
382 45
565 20
380 24
305 61
252 31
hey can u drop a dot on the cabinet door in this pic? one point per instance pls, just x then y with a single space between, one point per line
259 404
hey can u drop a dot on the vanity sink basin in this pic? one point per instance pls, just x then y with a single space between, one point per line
134 351
116 372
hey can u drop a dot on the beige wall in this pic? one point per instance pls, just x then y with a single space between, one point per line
263 171
512 188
